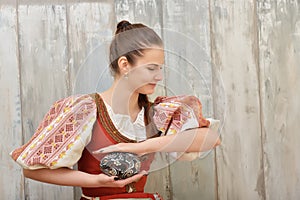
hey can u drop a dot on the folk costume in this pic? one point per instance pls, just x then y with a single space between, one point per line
76 126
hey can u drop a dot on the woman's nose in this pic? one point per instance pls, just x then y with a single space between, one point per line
159 76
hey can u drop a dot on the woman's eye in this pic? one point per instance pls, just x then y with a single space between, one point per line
154 67
151 68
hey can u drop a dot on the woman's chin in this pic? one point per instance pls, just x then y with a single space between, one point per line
148 90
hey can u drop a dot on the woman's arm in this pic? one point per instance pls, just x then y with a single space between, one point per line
194 140
69 177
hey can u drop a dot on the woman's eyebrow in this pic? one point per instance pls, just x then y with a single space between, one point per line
156 64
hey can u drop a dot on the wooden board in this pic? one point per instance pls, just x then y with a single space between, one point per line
235 57
44 74
188 50
186 34
90 33
11 179
279 82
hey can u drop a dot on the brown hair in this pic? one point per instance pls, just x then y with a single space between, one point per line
130 41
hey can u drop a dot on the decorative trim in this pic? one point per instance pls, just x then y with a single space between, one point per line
107 123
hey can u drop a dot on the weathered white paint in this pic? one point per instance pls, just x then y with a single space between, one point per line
11 179
189 72
44 73
235 56
143 11
279 82
90 33
8 3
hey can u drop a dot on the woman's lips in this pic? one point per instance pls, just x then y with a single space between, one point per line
152 84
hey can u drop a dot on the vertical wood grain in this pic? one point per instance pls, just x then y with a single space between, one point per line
11 179
186 34
141 11
235 57
90 31
44 67
188 50
279 42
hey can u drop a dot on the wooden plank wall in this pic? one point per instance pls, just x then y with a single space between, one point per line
240 57
188 71
44 76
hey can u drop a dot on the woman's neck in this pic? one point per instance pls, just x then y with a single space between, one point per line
122 100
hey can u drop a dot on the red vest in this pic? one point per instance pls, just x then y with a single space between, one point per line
105 134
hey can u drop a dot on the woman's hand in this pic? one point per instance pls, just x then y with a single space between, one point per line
110 181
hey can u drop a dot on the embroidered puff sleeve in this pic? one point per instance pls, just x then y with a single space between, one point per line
178 113
61 136
175 114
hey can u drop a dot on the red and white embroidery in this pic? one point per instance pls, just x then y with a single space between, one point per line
68 122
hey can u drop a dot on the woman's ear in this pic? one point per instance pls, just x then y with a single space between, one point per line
123 64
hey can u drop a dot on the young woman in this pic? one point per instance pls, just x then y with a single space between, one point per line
79 129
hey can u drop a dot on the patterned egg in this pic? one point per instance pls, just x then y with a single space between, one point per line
120 164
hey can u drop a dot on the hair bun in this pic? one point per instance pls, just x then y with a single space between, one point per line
122 24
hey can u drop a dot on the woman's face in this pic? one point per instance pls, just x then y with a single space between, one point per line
147 71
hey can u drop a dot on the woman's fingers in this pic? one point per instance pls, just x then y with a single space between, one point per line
132 179
112 181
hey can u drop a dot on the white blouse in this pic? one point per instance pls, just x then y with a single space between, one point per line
133 130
